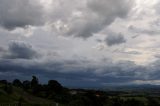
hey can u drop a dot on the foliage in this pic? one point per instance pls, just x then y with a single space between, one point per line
17 83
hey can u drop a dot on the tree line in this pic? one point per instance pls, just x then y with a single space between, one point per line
53 90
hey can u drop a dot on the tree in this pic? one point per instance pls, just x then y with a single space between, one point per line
17 83
36 87
118 102
55 86
134 102
34 81
3 82
26 85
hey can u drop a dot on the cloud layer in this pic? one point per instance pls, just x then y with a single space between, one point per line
20 13
81 43
113 39
97 16
94 16
19 50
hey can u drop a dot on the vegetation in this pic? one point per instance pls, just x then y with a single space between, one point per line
32 92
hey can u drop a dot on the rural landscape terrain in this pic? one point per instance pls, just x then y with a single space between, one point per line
79 52
32 93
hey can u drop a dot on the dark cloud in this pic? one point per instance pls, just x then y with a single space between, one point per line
99 40
133 52
135 36
143 31
81 74
157 56
20 13
2 49
49 70
110 8
97 16
21 50
115 39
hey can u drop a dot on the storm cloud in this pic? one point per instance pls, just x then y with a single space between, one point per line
94 17
97 16
144 31
92 75
22 50
20 13
115 39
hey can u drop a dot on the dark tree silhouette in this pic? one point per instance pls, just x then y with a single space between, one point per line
54 86
3 81
36 87
17 83
26 85
34 81
134 102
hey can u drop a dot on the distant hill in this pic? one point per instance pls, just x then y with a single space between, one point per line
143 87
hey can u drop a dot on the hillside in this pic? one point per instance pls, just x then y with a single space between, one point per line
19 93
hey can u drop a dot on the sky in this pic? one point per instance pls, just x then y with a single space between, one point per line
81 43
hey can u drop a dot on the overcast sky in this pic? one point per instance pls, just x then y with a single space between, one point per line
81 43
